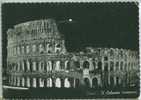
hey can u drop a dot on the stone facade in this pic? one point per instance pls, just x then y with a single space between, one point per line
37 57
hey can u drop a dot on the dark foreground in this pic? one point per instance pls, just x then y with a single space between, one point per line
68 93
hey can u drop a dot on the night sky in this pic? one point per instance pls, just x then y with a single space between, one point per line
93 24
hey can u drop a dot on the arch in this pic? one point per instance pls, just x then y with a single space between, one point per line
111 81
15 81
87 82
57 48
100 65
49 66
34 82
105 67
18 81
41 48
77 64
121 66
49 48
23 65
66 83
105 58
18 50
41 66
19 66
111 66
58 83
34 66
27 49
86 64
28 65
23 81
21 50
94 82
49 82
57 67
111 52
117 65
94 64
28 82
41 82
67 65
77 83
34 48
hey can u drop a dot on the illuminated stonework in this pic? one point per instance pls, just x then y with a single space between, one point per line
37 57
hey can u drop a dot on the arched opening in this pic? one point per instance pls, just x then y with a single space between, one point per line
77 64
121 66
111 52
28 82
111 81
34 66
106 67
34 48
49 82
49 66
30 65
58 83
49 48
86 64
87 82
42 66
68 65
111 66
57 65
66 83
62 83
100 65
57 48
34 82
105 58
94 64
94 83
77 83
41 82
117 81
27 65
117 65
27 49
41 48
23 81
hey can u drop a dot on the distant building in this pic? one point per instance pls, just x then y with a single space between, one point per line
37 57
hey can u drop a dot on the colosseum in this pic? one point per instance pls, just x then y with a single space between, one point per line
37 58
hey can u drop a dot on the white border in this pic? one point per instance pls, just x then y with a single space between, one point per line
66 1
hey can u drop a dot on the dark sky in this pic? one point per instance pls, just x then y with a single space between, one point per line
95 24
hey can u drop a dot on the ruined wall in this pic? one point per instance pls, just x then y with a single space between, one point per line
37 57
